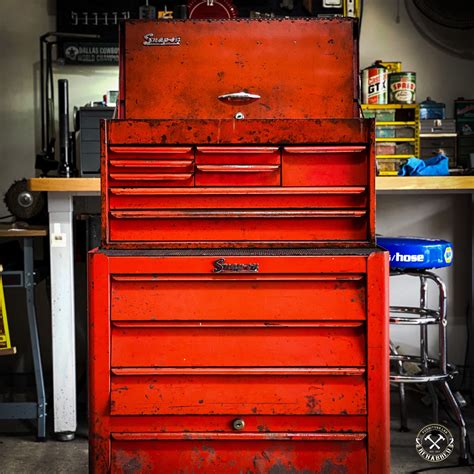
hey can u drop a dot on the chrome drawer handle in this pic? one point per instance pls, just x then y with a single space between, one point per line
238 98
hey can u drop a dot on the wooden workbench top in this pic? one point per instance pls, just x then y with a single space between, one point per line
384 183
9 230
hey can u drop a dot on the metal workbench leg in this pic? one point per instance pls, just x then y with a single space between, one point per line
60 208
28 263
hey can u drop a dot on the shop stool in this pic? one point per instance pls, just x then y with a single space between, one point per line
26 277
415 257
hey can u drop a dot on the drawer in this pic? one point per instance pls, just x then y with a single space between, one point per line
238 391
235 453
325 166
238 226
150 166
241 345
238 166
242 198
246 297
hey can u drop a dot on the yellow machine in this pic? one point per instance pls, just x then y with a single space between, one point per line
5 342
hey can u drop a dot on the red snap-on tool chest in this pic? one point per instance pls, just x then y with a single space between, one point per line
219 183
238 306
241 361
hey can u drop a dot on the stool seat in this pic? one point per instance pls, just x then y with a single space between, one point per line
417 253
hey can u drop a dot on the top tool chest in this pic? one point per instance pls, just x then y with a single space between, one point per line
257 147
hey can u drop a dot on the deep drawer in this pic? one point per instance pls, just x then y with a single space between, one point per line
234 391
241 345
214 225
325 166
258 453
238 297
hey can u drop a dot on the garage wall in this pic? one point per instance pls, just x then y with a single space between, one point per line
439 75
444 78
21 24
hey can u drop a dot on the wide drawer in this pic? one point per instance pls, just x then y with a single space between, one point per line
213 225
235 453
238 391
239 345
162 297
354 197
325 166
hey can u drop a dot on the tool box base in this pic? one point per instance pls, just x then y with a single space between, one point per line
261 361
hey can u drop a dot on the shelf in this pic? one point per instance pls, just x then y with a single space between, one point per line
395 139
393 156
388 173
380 124
388 106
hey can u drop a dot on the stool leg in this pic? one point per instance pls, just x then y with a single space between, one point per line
453 404
35 346
424 346
451 400
401 394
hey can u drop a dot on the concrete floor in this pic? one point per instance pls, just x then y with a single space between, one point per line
20 453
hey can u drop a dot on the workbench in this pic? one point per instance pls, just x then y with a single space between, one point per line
61 192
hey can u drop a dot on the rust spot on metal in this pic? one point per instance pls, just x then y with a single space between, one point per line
330 468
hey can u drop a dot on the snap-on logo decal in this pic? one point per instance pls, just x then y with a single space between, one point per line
150 40
220 266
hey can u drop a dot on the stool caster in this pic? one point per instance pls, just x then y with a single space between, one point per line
65 436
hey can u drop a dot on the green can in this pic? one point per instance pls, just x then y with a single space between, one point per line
402 88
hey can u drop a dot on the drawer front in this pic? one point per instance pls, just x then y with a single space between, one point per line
238 297
193 453
140 345
150 166
238 226
258 391
238 175
243 198
238 166
325 166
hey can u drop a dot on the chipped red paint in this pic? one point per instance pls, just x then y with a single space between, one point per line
310 411
158 194
296 66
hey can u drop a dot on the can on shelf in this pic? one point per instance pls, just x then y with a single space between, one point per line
402 88
374 85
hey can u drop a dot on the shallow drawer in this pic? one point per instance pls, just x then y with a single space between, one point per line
325 166
238 391
238 297
238 166
354 197
238 225
241 345
150 166
259 453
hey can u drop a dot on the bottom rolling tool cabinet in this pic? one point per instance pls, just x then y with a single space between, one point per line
230 361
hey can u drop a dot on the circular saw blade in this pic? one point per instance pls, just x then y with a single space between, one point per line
23 203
